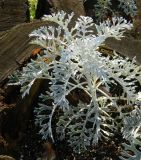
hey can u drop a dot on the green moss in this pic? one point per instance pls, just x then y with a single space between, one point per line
32 8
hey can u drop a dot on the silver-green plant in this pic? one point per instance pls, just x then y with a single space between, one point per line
102 7
128 6
78 65
132 133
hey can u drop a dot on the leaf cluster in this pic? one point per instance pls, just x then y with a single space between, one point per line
77 65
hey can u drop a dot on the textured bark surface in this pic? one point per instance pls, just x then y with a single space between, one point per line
15 47
12 12
69 5
4 157
130 45
127 46
137 20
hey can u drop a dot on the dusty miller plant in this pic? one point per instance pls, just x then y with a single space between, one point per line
132 133
102 7
128 6
76 64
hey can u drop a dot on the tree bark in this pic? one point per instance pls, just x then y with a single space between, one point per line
15 47
137 20
13 12
69 6
130 45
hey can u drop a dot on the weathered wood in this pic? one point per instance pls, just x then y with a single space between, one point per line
16 119
13 12
128 46
75 6
15 47
137 20
4 157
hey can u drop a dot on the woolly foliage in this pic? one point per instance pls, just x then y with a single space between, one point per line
78 65
104 8
132 133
